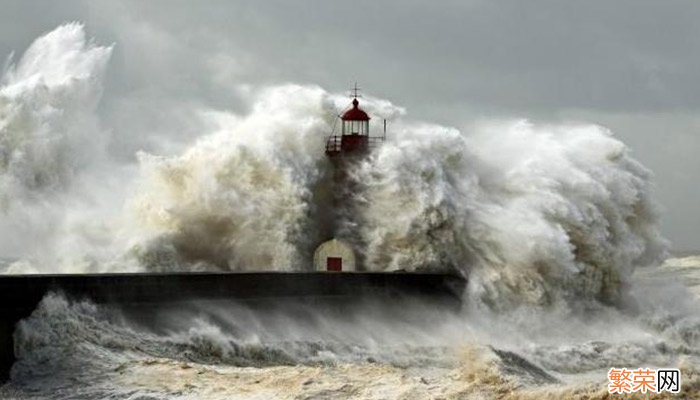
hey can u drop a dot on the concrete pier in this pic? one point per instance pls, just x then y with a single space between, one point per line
20 294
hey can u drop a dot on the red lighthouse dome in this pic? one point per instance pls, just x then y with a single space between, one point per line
355 113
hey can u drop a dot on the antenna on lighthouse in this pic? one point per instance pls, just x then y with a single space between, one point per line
354 90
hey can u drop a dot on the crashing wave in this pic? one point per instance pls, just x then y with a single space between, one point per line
534 214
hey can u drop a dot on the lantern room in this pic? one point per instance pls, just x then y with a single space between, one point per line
355 120
354 138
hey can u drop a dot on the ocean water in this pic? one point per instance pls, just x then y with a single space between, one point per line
555 226
222 350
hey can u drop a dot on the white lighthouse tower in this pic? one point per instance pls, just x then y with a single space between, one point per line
345 150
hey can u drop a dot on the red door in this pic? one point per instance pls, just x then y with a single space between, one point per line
334 264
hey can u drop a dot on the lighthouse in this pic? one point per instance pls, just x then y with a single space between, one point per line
345 150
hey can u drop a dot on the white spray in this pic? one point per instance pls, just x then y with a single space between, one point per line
51 144
529 212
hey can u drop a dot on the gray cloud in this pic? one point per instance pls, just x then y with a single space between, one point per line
631 65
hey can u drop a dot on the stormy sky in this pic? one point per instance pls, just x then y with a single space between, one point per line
630 65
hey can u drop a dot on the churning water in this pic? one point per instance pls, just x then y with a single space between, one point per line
554 226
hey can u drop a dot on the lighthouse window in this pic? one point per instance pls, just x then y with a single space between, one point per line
355 127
